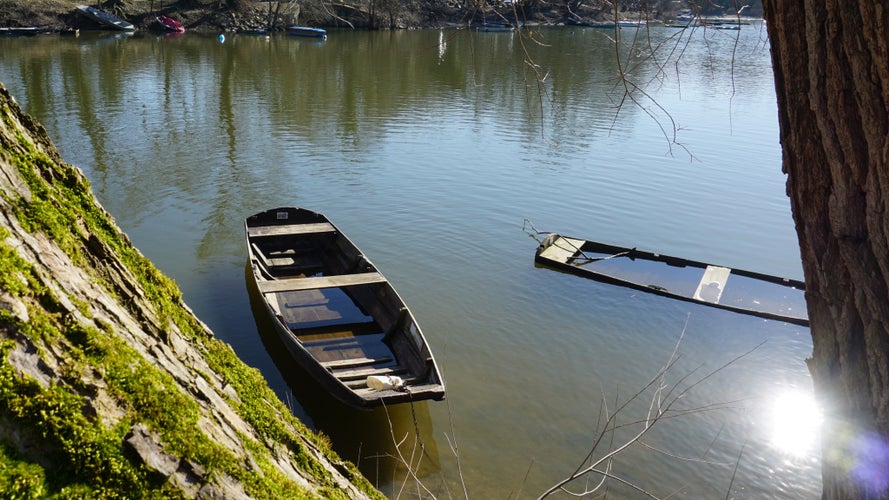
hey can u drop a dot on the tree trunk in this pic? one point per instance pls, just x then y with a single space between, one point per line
831 63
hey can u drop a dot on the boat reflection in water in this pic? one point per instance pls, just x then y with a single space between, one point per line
366 438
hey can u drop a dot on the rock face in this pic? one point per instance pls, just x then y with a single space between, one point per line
109 385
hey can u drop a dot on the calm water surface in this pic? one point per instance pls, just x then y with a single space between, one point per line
430 149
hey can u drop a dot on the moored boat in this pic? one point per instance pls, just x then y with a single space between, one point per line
21 31
339 317
495 27
305 31
105 19
737 290
257 31
170 24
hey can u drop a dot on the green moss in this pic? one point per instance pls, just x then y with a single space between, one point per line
17 276
87 459
20 479
78 451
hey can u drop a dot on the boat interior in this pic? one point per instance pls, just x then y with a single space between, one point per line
333 300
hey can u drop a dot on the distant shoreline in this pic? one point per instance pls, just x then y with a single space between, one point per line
62 17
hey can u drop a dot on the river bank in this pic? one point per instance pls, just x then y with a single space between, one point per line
210 16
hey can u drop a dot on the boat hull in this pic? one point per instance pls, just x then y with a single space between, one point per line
306 32
25 31
105 19
170 24
736 290
339 318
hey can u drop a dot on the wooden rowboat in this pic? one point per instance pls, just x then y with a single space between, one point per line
337 314
735 290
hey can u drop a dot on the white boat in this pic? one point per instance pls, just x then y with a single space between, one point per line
105 19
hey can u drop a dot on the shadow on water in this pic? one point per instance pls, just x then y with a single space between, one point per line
388 444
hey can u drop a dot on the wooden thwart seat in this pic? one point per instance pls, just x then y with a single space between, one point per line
354 362
712 284
314 283
363 373
281 230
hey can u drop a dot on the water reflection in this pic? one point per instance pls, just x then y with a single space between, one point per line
431 147
390 445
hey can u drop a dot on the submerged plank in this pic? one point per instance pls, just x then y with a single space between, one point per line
712 284
356 333
562 249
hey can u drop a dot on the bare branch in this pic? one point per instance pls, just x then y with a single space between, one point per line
664 397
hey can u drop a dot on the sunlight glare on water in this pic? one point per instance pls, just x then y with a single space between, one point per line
795 422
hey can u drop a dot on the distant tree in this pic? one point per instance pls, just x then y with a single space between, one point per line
831 64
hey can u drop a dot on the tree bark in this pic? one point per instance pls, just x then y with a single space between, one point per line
831 64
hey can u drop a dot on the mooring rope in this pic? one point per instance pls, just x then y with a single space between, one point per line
588 259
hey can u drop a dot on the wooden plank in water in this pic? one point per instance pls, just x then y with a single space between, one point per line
562 249
350 347
314 283
362 373
409 385
271 261
712 284
354 362
357 333
281 230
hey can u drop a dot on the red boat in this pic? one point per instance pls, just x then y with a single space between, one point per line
170 24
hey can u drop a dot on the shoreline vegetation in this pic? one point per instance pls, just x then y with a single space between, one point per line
277 15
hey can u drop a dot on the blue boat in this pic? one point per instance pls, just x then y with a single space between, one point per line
305 31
